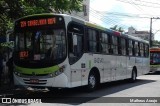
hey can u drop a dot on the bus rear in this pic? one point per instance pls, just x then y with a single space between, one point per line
40 51
154 59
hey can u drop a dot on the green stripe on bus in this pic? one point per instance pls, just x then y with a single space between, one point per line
37 71
155 65
95 26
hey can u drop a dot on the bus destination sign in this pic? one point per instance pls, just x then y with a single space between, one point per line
37 22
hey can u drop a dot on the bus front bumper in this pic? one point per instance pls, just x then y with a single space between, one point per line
60 81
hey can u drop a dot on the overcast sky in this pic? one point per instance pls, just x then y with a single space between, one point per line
126 13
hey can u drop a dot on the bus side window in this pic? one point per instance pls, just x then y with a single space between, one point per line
92 41
119 46
114 44
127 47
133 48
130 48
110 47
104 42
123 46
146 50
142 49
138 49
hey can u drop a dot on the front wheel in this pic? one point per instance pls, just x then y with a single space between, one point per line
92 82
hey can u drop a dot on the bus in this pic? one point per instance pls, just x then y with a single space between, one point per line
154 59
61 51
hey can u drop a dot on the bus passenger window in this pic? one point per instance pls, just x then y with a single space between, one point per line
133 48
119 46
142 49
136 49
127 47
104 42
123 46
92 40
114 45
130 48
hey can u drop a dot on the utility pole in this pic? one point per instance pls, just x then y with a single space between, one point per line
150 37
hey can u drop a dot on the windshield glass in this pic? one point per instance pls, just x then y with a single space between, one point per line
155 58
45 45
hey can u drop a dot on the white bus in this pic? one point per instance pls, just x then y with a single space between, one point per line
61 51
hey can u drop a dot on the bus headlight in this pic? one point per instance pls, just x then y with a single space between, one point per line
17 73
58 72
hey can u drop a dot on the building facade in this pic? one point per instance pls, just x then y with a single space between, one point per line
142 34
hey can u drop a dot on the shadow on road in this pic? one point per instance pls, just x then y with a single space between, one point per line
76 96
154 73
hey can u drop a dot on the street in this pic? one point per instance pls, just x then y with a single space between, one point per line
146 86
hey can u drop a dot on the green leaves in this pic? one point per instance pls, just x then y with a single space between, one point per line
14 9
116 28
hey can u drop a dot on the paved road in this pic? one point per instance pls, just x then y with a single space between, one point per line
113 93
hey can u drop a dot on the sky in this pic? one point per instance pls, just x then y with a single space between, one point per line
127 13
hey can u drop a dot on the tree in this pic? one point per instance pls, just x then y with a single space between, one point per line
116 28
156 43
14 9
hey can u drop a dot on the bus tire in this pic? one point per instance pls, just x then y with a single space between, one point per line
92 81
133 76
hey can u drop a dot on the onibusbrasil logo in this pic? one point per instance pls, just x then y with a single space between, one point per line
15 100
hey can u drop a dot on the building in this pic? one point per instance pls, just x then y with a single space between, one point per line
85 11
142 34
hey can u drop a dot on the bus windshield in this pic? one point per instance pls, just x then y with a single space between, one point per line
41 45
39 41
155 58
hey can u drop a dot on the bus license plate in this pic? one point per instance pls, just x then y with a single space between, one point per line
34 81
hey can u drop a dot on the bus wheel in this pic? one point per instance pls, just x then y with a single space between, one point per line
134 75
92 82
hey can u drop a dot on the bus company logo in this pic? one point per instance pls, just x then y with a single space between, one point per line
6 100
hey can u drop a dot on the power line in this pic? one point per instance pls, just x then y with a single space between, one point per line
105 13
147 2
110 20
139 4
136 6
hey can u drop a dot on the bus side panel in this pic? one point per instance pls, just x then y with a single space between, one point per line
107 68
139 65
146 65
130 65
121 67
94 61
113 67
76 72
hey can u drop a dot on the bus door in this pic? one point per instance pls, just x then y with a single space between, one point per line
75 52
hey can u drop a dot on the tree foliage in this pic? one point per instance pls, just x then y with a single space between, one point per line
156 43
14 9
116 28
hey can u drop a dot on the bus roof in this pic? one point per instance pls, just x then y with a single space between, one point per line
90 25
155 49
